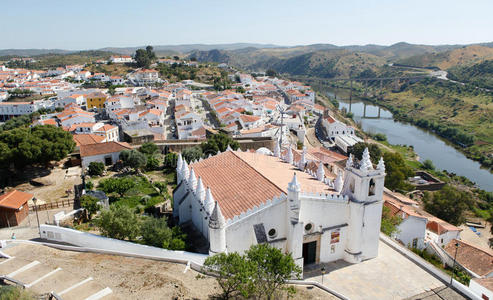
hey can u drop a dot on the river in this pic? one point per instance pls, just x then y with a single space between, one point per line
426 144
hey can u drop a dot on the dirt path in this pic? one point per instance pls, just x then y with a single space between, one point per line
135 278
55 185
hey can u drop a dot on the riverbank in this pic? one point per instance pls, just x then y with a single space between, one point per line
456 113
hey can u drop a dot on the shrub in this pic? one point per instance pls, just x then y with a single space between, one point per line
96 168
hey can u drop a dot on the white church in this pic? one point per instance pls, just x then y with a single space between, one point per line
238 199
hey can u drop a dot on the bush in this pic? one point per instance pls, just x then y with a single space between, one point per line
133 159
90 203
96 168
152 164
428 164
149 148
155 232
8 292
89 185
117 185
119 222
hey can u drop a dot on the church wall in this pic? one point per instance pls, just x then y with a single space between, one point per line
330 248
372 216
240 235
323 214
185 211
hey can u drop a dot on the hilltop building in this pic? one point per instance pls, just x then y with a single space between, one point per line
238 199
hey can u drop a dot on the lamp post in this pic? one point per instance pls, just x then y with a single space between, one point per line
453 265
37 217
323 273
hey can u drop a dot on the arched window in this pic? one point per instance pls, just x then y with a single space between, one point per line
371 188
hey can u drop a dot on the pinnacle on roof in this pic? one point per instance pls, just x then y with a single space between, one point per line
290 155
229 148
179 162
294 185
381 165
209 201
338 183
216 220
365 163
192 180
320 172
200 191
277 149
184 169
302 161
349 162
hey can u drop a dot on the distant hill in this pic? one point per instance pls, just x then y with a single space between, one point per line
32 52
480 74
463 56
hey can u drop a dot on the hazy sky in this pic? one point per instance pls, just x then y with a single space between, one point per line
88 24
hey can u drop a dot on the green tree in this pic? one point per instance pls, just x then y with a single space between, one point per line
155 232
233 273
389 222
117 185
96 168
397 171
36 145
428 164
271 73
218 142
144 57
149 148
448 204
170 160
272 269
191 154
119 222
152 163
162 187
133 158
91 204
358 148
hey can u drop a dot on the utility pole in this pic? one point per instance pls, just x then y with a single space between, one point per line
453 265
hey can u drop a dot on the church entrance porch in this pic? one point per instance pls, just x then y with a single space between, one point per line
309 252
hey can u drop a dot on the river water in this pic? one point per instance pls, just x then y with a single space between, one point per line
426 144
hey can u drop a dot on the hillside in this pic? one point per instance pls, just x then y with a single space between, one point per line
60 60
480 74
466 55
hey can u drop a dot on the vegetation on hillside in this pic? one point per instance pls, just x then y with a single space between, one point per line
260 273
47 61
480 75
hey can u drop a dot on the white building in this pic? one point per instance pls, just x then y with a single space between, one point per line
238 199
343 135
107 153
9 110
412 230
483 287
145 76
120 59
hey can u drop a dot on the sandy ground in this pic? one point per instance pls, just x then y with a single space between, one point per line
133 278
56 184
481 241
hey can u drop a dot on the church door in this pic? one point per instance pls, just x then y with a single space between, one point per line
309 252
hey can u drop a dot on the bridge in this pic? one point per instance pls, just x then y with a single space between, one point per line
365 80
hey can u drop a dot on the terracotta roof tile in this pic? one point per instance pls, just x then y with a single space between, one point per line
103 148
14 199
241 180
470 257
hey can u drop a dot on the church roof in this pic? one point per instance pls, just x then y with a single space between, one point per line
241 180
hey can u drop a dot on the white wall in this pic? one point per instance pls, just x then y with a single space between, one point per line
115 156
84 239
480 290
411 228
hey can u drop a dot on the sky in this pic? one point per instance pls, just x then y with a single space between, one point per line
88 24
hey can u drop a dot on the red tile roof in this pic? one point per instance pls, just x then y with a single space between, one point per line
103 148
241 180
475 259
14 199
87 139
